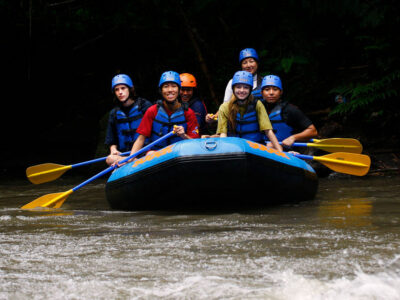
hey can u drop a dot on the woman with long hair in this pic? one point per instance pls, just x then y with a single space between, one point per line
244 116
249 61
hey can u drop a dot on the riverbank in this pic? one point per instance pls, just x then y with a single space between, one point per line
380 144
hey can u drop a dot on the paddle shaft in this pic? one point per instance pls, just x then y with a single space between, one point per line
48 172
321 158
95 160
322 145
298 144
109 169
333 145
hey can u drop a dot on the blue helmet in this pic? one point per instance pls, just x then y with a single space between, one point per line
170 76
248 52
242 77
271 80
121 79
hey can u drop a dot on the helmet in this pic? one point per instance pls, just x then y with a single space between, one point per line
188 80
170 76
271 80
248 52
242 77
121 79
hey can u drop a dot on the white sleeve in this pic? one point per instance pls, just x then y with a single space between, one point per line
228 91
254 81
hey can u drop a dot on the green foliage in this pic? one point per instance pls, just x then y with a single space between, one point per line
362 95
287 62
318 48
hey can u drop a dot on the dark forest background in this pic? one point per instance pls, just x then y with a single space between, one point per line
58 58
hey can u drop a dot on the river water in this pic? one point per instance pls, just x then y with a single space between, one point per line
345 244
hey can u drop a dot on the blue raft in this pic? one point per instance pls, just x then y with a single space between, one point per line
213 173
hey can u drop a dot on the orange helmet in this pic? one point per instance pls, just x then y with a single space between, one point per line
188 80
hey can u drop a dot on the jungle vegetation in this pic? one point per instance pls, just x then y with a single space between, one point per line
60 56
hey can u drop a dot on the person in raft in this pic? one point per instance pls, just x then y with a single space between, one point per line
189 95
289 122
243 116
124 118
248 60
161 118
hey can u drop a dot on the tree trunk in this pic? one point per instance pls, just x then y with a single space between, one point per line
200 58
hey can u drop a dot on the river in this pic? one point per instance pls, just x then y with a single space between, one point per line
345 244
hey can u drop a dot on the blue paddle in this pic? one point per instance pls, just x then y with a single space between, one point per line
49 171
55 200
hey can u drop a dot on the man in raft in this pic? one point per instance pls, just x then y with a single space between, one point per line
243 116
124 118
289 122
167 114
189 95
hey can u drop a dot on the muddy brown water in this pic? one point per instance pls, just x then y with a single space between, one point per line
342 245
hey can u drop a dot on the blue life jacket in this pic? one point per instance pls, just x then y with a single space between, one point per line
200 111
257 91
127 126
164 124
281 129
247 126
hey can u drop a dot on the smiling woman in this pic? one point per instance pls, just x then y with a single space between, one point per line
244 116
248 59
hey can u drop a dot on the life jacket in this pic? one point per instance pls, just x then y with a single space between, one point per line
257 91
195 103
281 129
163 124
127 125
247 126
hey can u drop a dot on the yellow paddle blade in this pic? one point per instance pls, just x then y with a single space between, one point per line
45 172
54 200
338 145
348 163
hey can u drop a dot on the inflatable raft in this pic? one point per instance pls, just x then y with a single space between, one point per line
211 173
